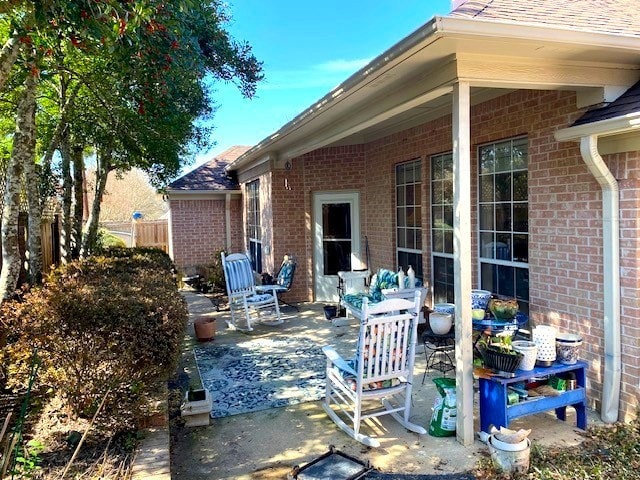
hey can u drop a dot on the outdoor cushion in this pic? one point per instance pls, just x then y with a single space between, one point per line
382 280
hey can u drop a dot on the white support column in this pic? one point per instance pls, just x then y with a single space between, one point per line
462 261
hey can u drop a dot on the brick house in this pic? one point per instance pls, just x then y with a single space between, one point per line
495 147
205 213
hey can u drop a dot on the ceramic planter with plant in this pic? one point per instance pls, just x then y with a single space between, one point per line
503 309
498 353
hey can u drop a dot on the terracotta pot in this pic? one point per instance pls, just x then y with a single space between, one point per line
205 328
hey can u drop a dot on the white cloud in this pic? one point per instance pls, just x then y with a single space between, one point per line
324 75
342 66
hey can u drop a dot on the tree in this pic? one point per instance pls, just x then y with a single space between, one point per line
125 79
23 151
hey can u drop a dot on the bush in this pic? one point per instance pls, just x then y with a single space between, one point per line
106 239
216 273
109 323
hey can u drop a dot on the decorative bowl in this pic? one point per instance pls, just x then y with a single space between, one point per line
445 308
478 313
480 298
503 309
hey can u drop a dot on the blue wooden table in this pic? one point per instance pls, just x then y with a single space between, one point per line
495 409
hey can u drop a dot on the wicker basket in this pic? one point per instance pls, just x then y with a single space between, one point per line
497 360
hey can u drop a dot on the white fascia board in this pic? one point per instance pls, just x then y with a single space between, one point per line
611 126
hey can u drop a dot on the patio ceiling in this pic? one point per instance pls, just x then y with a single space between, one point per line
412 82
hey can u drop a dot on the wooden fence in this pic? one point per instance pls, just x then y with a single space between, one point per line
151 233
142 233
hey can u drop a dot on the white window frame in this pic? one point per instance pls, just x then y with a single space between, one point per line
498 245
437 183
254 225
402 205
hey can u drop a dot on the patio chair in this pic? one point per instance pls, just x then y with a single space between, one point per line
383 284
382 369
244 299
283 280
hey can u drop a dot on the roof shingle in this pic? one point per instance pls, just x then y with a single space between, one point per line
628 102
211 175
621 17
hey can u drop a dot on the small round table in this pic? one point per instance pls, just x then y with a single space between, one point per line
438 351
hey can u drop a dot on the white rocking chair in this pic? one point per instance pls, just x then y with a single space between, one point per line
243 297
381 369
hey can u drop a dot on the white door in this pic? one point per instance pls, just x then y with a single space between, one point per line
336 240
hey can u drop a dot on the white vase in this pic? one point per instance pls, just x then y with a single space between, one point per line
440 323
411 275
401 277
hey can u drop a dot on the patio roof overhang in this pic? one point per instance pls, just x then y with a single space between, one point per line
412 82
444 68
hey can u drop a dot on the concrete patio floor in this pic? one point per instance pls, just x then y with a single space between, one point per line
267 444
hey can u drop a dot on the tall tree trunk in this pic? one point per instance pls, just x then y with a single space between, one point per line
34 232
77 158
103 167
8 56
67 198
23 152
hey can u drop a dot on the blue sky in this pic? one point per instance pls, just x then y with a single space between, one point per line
307 48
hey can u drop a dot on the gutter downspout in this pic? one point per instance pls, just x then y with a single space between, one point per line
611 265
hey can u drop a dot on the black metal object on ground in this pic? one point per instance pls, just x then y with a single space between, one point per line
336 465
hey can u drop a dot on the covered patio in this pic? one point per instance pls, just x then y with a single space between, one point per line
268 443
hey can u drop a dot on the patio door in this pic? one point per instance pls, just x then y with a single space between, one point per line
336 240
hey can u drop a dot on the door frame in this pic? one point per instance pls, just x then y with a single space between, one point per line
319 199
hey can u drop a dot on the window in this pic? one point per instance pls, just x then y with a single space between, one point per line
254 228
503 219
409 216
442 226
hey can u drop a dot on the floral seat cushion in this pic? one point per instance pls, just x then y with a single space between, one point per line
382 280
349 372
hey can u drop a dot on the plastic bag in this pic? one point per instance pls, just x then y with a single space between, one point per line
445 412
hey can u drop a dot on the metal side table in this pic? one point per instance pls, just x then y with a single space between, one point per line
438 351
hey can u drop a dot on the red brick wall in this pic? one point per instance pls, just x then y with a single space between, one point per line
332 169
565 216
198 230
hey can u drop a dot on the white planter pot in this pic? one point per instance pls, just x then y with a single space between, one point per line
530 352
440 323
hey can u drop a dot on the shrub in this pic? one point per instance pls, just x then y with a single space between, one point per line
106 323
216 273
106 239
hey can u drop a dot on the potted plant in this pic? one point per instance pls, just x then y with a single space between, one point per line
498 353
205 328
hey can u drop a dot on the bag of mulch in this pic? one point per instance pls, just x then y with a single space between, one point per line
443 418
